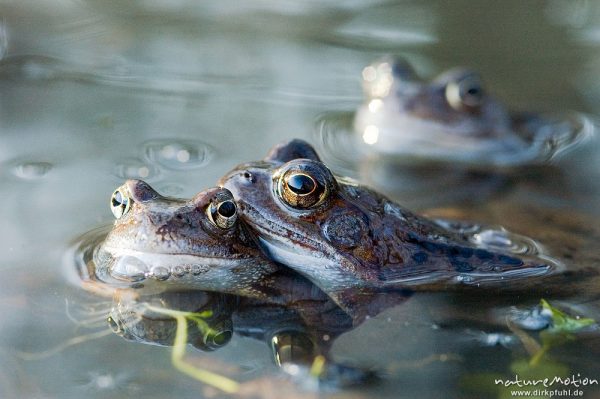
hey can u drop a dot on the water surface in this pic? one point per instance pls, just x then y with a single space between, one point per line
176 93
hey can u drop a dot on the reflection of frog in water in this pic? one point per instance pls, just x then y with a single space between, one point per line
451 118
298 332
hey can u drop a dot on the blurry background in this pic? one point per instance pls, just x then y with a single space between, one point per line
177 92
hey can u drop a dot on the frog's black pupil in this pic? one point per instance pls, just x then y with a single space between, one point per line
226 209
474 91
301 184
117 199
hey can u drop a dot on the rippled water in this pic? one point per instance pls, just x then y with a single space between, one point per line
177 93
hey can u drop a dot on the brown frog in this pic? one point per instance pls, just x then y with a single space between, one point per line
453 118
346 237
191 244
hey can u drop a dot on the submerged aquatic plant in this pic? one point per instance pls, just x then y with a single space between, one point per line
180 345
561 329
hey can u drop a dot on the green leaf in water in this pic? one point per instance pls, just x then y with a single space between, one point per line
532 370
562 322
561 330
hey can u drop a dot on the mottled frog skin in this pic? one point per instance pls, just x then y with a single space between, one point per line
344 236
451 117
192 244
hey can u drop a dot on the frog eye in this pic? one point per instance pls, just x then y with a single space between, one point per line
120 203
222 214
300 190
216 337
466 92
114 325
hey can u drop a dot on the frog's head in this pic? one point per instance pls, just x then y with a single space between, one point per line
454 102
197 243
303 217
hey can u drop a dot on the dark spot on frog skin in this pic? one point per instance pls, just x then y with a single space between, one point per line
420 257
510 260
345 230
465 252
461 267
483 254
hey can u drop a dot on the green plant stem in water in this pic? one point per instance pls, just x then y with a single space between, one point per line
179 348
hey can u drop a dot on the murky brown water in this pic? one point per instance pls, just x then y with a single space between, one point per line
176 93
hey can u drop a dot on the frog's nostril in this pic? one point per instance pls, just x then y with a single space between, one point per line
248 176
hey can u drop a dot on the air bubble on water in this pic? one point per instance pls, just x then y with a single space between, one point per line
178 271
177 154
135 169
129 268
32 170
503 240
494 238
160 273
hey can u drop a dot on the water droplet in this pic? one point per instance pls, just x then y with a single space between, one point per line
493 238
178 271
129 268
502 240
197 269
32 170
160 273
177 154
135 169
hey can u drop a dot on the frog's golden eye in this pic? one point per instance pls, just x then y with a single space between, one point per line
120 203
300 190
222 214
466 92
